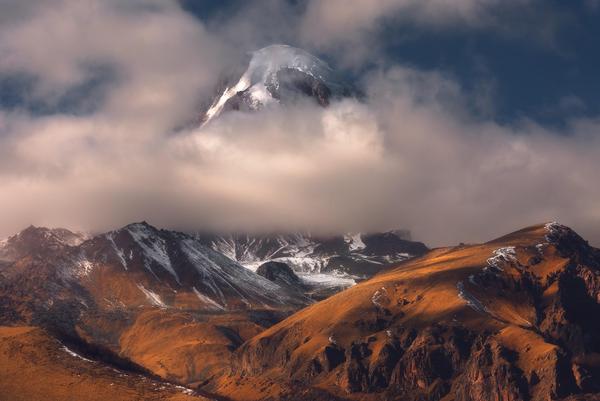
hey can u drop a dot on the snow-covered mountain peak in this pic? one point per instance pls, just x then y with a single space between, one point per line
357 254
271 59
276 74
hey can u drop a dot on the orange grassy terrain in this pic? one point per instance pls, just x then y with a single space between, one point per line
185 348
505 320
513 319
157 298
35 366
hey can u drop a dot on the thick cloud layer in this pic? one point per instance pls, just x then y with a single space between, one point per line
411 155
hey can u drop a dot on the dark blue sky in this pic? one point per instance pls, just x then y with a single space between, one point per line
539 61
482 116
546 79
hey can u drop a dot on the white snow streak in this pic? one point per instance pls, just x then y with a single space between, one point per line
207 300
327 279
154 248
75 354
118 251
153 297
261 71
469 298
501 257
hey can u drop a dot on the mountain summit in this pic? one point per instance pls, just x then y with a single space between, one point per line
279 74
512 319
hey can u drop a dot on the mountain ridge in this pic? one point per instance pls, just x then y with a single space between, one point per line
357 254
506 319
473 322
279 74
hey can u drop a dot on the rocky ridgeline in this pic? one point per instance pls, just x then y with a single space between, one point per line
487 350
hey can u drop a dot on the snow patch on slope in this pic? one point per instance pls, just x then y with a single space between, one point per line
555 231
75 267
354 241
501 257
471 300
118 251
379 297
154 248
327 280
85 267
217 271
75 354
153 297
207 300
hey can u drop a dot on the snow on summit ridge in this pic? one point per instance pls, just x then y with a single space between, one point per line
261 84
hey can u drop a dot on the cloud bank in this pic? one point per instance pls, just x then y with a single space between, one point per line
412 155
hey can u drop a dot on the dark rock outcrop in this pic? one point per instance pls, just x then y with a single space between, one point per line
491 374
279 273
511 320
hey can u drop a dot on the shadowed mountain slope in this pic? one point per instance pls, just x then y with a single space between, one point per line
511 319
36 366
156 297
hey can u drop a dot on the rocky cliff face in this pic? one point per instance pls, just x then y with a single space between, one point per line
156 297
353 254
512 319
281 274
325 264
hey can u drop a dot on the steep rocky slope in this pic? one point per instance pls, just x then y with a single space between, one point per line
325 264
137 266
280 273
156 297
37 241
348 257
511 319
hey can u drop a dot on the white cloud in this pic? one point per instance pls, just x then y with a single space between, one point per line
159 55
331 23
411 156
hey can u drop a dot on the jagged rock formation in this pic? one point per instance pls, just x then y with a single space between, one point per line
157 297
511 319
354 255
279 273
